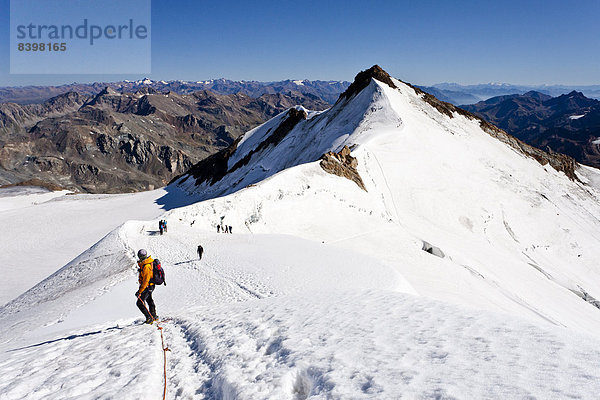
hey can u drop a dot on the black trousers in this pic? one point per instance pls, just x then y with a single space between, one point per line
146 296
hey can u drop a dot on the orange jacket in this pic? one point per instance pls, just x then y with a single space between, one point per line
146 273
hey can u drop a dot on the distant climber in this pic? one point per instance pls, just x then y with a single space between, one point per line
165 225
230 229
218 228
144 293
226 229
160 226
200 251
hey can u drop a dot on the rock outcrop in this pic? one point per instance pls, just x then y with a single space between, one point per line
342 164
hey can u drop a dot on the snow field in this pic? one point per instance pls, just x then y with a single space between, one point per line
44 231
324 344
379 344
99 362
99 284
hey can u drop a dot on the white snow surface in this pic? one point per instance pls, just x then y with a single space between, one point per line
349 344
324 291
42 230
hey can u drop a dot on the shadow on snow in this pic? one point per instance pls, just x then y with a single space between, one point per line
71 337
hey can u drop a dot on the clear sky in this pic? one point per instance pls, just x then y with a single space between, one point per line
423 42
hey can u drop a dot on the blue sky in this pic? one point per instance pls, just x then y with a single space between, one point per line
423 42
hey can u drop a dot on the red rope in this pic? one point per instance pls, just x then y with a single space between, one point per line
165 349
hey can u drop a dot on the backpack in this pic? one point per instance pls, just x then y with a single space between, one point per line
158 273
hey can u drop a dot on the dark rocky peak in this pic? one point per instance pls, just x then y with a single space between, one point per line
106 95
146 90
537 95
206 98
69 98
575 93
493 101
108 91
242 95
572 101
507 103
203 94
144 106
363 78
65 102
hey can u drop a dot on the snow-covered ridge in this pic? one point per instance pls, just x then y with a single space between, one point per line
76 284
427 163
366 106
348 123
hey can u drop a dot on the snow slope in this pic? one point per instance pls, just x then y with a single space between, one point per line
324 290
349 344
277 317
42 231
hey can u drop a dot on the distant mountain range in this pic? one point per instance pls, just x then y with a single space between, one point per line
451 96
325 90
569 123
114 142
469 94
135 135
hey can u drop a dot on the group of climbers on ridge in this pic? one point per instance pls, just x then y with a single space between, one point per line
150 274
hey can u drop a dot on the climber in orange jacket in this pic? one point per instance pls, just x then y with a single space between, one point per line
144 293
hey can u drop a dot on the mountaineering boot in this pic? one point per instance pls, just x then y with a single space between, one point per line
149 320
153 310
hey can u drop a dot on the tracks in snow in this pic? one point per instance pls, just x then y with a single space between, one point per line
211 280
189 374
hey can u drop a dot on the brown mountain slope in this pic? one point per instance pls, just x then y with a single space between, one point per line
121 142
